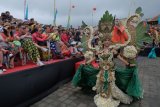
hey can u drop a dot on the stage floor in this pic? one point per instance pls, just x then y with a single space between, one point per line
30 65
68 96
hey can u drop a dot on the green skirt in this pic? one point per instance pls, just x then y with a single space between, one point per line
126 79
85 76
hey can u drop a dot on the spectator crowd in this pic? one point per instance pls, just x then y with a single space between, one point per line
154 33
21 41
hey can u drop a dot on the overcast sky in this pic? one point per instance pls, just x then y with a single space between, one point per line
43 10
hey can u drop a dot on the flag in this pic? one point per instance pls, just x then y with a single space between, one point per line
94 9
55 16
73 6
26 13
68 24
159 20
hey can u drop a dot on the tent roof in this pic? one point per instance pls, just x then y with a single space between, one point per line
155 18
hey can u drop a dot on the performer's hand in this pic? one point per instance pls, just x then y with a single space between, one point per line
132 65
114 51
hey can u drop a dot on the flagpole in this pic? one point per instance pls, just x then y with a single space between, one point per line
54 23
93 10
69 15
92 17
132 3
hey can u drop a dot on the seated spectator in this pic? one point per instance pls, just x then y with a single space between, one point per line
29 46
77 36
65 50
40 39
1 51
64 38
8 16
31 21
71 39
55 45
74 50
6 43
1 61
3 17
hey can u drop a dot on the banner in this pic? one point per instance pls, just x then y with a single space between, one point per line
26 15
159 19
24 8
55 16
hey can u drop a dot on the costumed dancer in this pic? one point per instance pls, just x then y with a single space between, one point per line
112 83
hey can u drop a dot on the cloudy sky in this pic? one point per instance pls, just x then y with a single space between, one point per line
42 10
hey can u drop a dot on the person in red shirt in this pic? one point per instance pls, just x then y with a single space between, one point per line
119 35
40 39
64 38
38 36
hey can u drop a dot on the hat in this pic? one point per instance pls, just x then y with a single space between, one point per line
1 29
17 43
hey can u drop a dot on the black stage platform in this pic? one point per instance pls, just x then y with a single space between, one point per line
20 89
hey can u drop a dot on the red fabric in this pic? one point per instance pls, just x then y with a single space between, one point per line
64 49
39 37
67 53
94 64
7 39
3 36
17 34
64 38
29 65
119 35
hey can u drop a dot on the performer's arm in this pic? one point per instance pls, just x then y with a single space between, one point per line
122 59
125 62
